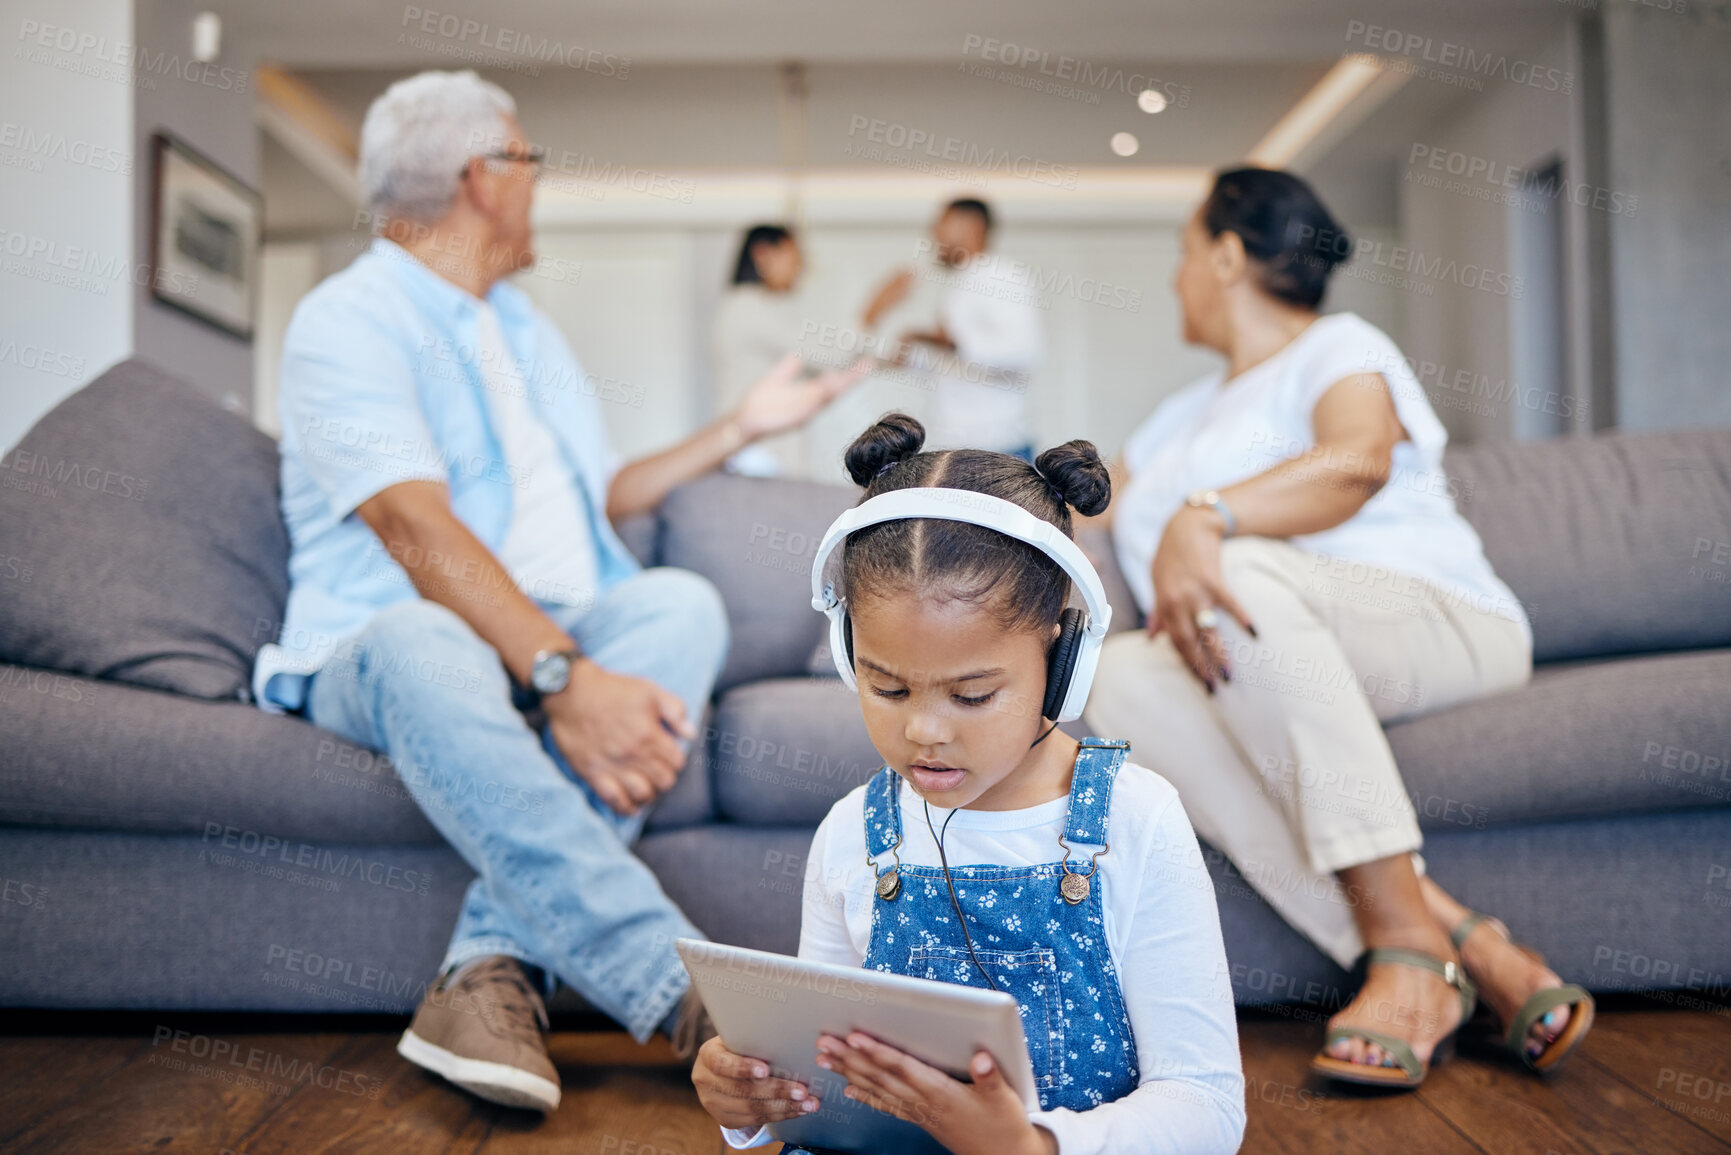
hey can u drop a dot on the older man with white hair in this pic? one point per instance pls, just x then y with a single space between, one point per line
448 489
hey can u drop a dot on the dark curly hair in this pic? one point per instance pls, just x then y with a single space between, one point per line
969 562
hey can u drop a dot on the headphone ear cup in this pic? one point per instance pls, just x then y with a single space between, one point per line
840 644
1061 661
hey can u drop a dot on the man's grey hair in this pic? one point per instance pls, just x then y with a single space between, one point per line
418 136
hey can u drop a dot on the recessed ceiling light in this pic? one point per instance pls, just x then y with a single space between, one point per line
206 37
1125 143
1151 101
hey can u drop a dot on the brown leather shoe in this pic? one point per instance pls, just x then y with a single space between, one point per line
480 1027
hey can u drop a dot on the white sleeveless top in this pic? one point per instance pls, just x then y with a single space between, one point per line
1214 433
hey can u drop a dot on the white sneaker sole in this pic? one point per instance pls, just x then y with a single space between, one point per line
495 1082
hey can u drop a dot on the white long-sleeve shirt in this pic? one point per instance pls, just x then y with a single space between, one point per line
982 387
1162 928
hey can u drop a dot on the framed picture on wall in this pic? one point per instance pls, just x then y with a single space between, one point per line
204 240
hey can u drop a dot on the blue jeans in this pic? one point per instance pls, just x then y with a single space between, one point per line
559 887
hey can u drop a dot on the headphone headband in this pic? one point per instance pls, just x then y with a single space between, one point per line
982 509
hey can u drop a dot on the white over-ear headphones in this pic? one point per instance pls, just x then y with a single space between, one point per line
1075 654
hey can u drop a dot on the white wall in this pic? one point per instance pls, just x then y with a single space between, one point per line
1463 222
210 108
66 154
1668 106
75 178
1645 230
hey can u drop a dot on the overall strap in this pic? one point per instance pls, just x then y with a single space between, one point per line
883 812
1097 764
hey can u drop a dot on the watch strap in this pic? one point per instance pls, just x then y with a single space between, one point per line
1211 499
1226 516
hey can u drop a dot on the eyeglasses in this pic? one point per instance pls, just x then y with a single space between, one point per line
535 155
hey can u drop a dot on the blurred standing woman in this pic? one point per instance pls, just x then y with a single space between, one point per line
756 325
1287 528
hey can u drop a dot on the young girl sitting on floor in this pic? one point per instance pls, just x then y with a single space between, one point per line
994 849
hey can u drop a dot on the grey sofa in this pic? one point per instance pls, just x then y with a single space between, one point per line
166 845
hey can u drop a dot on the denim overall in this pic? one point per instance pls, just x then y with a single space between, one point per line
1049 953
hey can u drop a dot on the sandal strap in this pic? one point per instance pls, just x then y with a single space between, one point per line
1399 1048
1470 923
1460 934
1447 970
1535 1008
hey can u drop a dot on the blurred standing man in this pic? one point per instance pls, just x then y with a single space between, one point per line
985 343
449 492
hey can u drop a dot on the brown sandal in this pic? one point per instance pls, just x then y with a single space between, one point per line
1409 1072
1542 1003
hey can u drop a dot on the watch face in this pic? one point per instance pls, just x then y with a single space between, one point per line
550 673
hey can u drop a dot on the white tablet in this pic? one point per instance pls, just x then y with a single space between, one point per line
773 1007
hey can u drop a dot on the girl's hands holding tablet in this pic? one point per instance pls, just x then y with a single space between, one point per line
739 1092
985 1117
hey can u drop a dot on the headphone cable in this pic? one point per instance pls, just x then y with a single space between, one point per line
954 902
961 920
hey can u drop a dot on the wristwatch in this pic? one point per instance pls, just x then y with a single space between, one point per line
551 670
1210 499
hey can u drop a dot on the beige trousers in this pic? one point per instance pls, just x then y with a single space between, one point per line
1285 768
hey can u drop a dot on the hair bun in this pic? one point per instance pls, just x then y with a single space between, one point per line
895 438
1285 228
1075 470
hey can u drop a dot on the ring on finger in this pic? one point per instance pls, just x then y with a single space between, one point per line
1208 619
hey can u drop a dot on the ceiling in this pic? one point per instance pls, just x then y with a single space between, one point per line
343 33
691 84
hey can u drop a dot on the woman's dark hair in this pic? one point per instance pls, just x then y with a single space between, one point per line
1286 230
745 269
970 562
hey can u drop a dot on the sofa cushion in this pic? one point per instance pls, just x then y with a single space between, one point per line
691 802
1616 544
1635 892
755 538
783 750
639 535
142 520
1623 735
739 884
1600 738
147 923
105 756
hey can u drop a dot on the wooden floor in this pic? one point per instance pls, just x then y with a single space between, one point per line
1650 1078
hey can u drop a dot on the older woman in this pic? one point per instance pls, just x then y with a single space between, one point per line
1286 526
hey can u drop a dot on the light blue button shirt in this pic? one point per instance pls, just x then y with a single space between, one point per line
381 383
